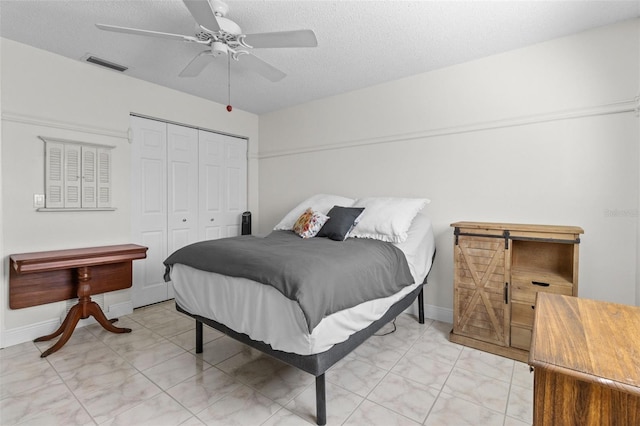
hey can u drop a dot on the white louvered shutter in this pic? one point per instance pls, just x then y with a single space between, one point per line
54 175
77 175
72 180
89 187
104 177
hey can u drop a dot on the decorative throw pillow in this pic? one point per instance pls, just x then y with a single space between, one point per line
309 223
319 203
341 221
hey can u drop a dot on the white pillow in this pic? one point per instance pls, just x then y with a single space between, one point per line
387 218
319 203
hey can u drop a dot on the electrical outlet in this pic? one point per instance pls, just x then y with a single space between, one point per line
38 201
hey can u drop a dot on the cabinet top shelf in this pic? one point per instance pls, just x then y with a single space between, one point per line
560 229
541 273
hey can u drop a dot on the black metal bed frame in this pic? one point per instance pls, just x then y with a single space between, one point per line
316 364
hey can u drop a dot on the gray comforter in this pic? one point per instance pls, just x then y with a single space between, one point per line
323 276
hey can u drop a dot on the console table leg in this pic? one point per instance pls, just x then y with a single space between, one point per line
94 309
67 327
60 329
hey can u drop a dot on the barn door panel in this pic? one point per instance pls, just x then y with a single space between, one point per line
480 296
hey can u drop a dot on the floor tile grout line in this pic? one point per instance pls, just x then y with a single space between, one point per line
511 384
68 388
261 392
236 379
279 410
480 373
506 405
387 371
162 391
440 392
441 387
107 346
364 398
139 372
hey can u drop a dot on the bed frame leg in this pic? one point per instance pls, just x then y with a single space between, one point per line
321 401
421 306
198 337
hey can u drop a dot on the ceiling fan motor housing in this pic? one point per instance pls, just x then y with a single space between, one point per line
218 48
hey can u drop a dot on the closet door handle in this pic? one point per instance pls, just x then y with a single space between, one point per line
506 293
184 220
212 219
540 283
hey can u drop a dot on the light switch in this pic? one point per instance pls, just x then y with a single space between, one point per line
38 201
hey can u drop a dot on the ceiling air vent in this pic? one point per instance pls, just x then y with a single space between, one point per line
105 63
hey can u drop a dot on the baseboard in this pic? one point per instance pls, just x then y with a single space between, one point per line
27 333
121 309
30 332
438 313
433 312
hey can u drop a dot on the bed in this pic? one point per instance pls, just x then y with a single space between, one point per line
311 325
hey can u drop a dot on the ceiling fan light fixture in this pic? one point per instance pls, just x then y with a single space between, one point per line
219 48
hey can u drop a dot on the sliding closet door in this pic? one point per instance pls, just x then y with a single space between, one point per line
149 208
223 185
235 184
182 188
187 185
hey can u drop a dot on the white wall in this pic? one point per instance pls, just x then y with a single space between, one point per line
2 264
49 95
638 209
546 134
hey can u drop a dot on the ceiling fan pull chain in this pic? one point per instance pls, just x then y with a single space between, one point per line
229 107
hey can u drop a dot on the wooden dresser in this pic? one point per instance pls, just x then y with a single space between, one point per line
499 269
586 360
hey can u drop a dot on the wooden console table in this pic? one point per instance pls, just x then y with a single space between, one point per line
54 276
586 360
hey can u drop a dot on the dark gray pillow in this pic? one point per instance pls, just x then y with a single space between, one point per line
341 220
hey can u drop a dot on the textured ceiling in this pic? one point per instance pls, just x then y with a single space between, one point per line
360 43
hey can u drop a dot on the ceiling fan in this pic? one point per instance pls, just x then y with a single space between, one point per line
224 37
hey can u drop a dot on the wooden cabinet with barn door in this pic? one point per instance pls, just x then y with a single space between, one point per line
499 269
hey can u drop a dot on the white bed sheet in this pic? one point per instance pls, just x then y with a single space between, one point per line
264 314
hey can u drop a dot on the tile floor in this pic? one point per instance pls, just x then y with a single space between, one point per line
152 376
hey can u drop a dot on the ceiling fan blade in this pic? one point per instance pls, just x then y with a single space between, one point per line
266 70
148 33
298 38
203 14
197 64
